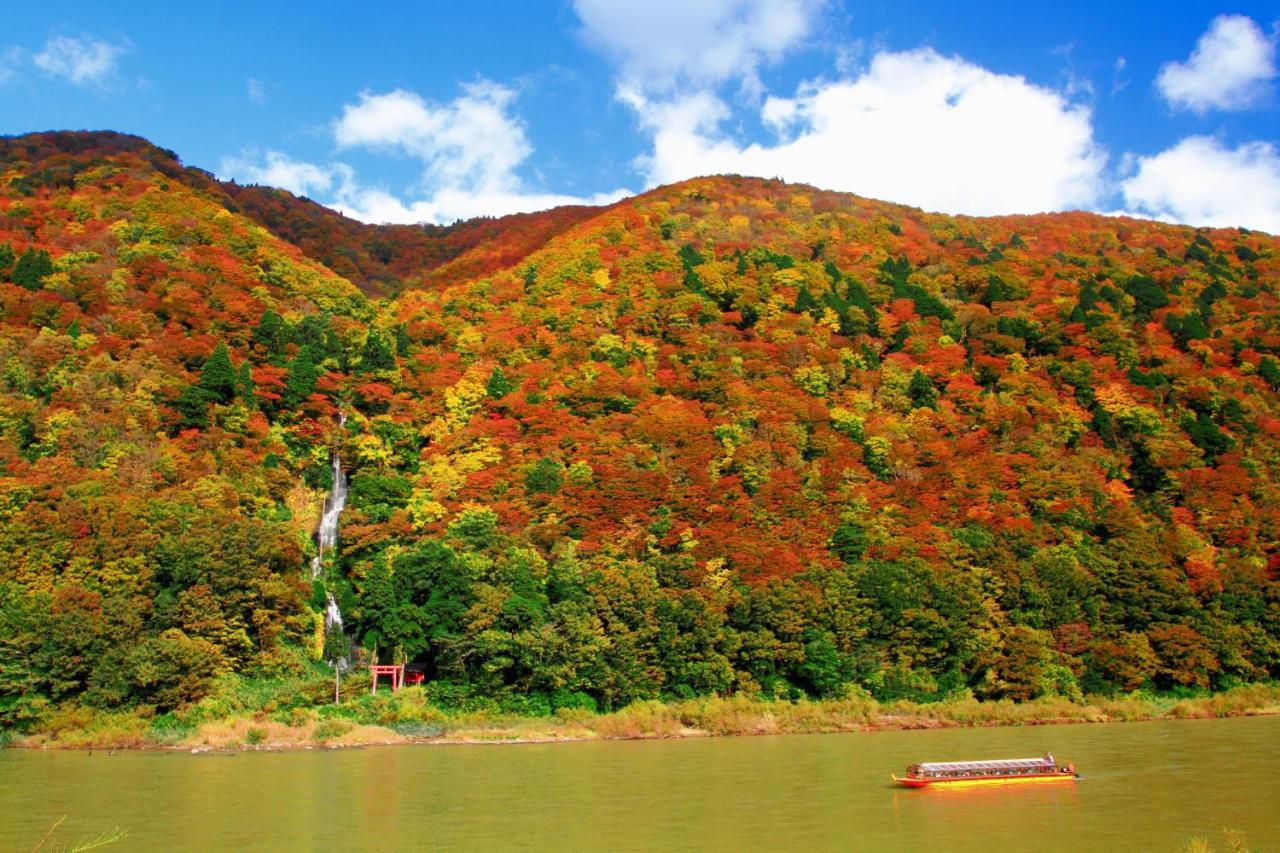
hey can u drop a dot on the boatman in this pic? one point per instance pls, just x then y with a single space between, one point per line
1048 759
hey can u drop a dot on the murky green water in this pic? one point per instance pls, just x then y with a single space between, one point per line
1146 786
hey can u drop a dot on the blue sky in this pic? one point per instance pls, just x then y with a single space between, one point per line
448 110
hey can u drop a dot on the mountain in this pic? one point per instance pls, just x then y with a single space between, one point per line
731 435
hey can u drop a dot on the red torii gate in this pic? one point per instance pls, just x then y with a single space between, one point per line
399 677
396 671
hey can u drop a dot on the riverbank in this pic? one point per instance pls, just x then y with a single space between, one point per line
409 717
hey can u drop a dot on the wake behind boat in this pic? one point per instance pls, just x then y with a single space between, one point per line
962 774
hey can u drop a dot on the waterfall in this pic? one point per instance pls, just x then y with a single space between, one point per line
327 534
327 538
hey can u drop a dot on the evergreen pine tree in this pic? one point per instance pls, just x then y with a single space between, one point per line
193 405
1269 370
218 376
377 355
31 268
403 342
498 385
921 391
244 384
998 290
315 332
300 383
271 333
6 257
805 303
1206 435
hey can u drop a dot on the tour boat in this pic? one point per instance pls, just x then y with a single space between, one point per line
963 774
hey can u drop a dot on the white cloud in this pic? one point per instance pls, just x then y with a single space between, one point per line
915 127
470 149
473 142
1230 68
374 204
256 91
82 60
660 45
1202 182
278 169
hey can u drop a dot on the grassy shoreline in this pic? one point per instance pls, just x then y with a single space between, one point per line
408 717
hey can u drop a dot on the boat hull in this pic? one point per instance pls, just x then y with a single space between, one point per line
973 782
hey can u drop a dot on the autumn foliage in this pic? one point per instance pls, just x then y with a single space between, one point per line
729 436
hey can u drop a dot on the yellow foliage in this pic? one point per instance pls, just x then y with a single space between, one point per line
813 379
717 573
470 340
791 276
425 509
847 421
1115 399
372 450
447 473
463 400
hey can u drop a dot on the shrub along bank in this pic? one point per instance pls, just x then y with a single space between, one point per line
277 714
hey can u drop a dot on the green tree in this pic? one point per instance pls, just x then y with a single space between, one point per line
998 290
271 333
1186 329
921 391
193 405
825 671
477 527
31 269
337 648
498 385
300 382
545 477
805 303
1147 295
1269 370
315 332
849 542
404 344
218 376
377 354
1206 435
244 388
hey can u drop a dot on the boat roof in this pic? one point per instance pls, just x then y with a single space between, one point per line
1009 763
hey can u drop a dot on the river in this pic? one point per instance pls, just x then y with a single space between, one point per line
1145 786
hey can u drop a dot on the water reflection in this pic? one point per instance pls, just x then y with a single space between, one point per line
1146 786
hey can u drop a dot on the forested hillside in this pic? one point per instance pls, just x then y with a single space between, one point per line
731 435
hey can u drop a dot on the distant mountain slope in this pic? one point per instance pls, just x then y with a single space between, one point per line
378 259
387 258
730 435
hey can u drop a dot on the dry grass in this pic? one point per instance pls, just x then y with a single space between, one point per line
409 717
235 733
77 727
641 720
269 734
365 735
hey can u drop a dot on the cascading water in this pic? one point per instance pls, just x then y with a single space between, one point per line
327 539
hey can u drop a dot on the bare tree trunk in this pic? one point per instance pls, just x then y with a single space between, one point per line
337 685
